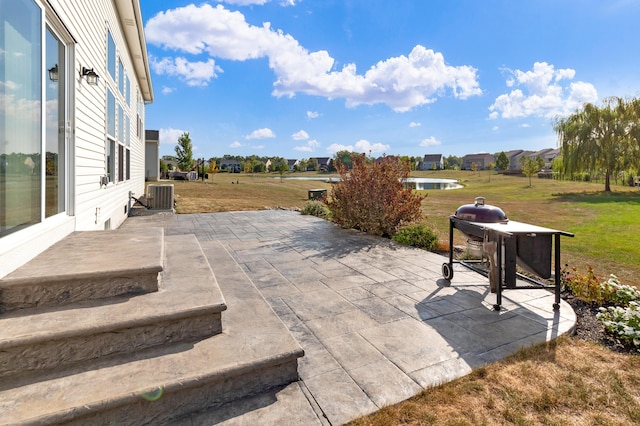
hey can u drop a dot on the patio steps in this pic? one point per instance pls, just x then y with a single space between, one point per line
86 266
140 358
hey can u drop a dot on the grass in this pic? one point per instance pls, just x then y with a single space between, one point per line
237 192
567 381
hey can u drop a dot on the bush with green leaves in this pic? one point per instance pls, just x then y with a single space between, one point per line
621 318
623 322
591 289
315 208
372 197
620 294
419 235
585 286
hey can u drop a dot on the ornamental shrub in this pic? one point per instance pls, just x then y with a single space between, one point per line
372 197
584 286
620 294
315 208
419 235
622 322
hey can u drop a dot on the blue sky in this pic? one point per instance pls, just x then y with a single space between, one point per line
307 78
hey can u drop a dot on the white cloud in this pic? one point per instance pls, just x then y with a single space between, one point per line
430 141
309 147
402 82
193 73
539 93
495 128
312 114
235 144
170 136
257 147
167 90
257 2
263 133
335 147
364 145
300 136
245 2
414 124
525 125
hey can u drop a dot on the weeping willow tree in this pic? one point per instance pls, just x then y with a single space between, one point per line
600 139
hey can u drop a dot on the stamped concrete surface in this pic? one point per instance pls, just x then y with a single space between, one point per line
376 320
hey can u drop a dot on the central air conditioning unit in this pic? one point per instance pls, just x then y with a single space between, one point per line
160 197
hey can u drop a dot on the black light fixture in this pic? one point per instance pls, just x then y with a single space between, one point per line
90 75
53 73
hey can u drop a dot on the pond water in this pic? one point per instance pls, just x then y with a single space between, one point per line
420 184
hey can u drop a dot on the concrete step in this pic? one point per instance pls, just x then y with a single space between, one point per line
186 308
254 352
86 266
283 405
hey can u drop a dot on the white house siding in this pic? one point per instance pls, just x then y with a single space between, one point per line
91 206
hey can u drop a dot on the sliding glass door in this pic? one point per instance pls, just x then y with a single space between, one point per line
21 114
33 116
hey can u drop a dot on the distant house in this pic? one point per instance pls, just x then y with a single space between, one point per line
323 163
151 155
272 165
231 166
482 161
513 156
432 162
170 161
387 158
292 164
548 155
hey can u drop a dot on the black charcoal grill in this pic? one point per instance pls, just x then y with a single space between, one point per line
501 245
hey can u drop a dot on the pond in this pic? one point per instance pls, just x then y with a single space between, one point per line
420 184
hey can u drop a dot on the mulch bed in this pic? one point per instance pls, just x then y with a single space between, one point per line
589 329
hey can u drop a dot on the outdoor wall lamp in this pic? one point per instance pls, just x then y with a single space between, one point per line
53 73
90 75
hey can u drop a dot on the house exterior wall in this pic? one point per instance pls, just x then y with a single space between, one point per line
483 161
429 161
91 205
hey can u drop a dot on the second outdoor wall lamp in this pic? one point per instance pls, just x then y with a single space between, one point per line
90 75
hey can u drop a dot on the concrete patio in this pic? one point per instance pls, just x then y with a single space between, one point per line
376 320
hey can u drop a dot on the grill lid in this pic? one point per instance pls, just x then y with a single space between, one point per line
481 212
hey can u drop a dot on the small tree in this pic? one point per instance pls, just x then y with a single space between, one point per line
373 198
302 165
184 152
502 161
529 166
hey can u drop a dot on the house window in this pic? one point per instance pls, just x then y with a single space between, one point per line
111 55
121 77
111 159
128 164
111 115
120 163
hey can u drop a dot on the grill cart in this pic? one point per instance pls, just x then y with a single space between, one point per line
502 244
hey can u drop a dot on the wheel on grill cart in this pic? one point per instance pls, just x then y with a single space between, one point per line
447 271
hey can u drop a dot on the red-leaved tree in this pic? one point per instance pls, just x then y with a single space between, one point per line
372 196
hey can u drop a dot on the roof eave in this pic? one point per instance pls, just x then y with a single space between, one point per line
130 17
